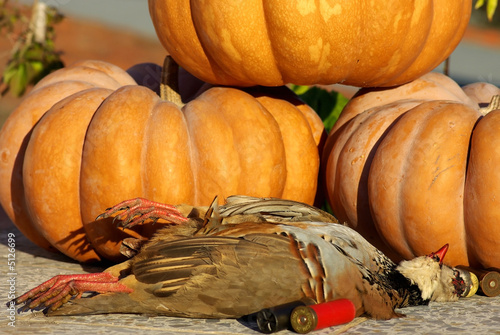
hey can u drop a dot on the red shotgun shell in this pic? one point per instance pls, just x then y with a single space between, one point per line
308 318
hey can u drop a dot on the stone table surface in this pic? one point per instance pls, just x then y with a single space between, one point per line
33 265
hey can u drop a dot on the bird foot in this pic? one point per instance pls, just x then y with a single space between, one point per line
139 210
56 291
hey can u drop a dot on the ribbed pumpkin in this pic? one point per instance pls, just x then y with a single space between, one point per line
416 166
274 42
88 137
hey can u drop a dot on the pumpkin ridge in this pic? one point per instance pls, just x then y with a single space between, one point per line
113 71
92 76
434 110
14 137
410 61
165 155
375 123
52 188
192 152
413 144
255 133
146 139
202 119
481 190
414 135
389 139
272 48
272 118
437 38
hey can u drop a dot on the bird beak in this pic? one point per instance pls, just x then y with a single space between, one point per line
439 255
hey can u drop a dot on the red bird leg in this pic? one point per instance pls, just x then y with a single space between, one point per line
76 288
138 210
58 290
59 280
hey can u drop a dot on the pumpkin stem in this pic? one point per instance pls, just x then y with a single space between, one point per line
494 105
169 86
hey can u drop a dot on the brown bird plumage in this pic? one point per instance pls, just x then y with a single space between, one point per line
248 255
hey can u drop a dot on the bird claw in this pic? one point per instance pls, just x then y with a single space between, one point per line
137 211
58 290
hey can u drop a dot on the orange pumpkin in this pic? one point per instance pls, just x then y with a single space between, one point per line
16 131
271 43
414 167
69 153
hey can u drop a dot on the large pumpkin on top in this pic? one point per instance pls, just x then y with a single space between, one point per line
416 166
87 137
275 42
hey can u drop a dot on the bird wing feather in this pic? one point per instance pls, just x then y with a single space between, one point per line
219 276
272 210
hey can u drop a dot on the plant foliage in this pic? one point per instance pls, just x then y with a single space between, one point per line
33 55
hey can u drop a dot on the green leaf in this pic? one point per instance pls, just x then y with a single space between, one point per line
34 52
328 104
9 72
491 8
298 89
33 69
30 60
19 80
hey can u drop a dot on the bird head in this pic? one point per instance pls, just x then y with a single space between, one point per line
437 281
455 283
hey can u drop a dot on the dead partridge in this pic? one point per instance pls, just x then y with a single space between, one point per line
220 269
